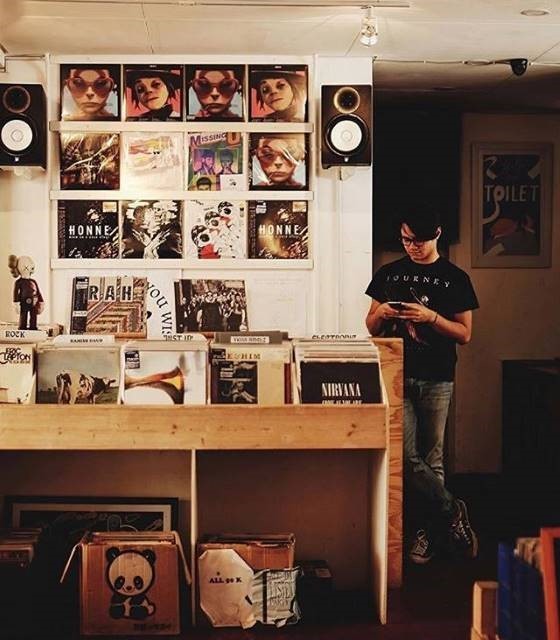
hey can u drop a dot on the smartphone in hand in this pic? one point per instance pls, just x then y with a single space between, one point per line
397 305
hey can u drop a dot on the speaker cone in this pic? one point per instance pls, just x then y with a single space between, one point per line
346 135
16 136
16 99
346 100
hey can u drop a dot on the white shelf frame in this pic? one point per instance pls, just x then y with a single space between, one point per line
117 126
179 194
190 264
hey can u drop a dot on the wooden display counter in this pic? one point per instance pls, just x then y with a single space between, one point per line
376 428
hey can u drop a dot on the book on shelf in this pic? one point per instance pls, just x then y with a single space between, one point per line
154 92
159 372
152 160
17 373
215 162
78 375
278 92
89 161
216 229
278 161
90 92
210 305
250 373
215 92
110 305
88 229
278 229
152 229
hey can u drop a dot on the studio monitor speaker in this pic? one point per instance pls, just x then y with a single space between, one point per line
346 123
23 125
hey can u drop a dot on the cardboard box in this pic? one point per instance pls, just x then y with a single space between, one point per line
129 583
260 551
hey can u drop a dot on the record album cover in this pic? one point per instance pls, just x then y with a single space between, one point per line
215 92
278 161
16 373
154 92
90 92
152 229
216 229
164 376
152 160
88 229
89 161
78 375
278 93
210 305
278 229
215 162
342 382
234 382
109 304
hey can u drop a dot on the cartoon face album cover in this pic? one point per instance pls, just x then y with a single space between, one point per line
215 92
89 161
152 160
89 92
216 229
152 229
88 229
154 92
215 162
278 93
278 229
210 305
278 161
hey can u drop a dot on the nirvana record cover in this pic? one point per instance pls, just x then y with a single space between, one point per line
113 305
164 377
152 229
234 382
278 229
89 161
154 92
88 229
210 305
76 375
346 382
152 160
216 229
278 161
215 162
278 93
89 92
215 92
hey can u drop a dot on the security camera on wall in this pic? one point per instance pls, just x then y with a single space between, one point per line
346 125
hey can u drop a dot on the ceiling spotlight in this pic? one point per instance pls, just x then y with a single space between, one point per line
518 66
368 31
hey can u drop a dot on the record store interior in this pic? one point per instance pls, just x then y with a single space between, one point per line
256 210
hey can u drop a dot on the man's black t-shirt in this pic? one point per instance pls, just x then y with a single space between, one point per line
440 286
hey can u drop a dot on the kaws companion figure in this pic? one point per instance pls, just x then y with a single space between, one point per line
26 291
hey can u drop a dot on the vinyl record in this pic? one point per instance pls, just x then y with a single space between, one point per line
16 136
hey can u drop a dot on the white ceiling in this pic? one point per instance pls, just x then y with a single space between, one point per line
420 54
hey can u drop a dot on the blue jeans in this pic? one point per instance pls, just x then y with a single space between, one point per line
426 405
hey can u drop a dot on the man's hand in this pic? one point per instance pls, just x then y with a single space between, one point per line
418 313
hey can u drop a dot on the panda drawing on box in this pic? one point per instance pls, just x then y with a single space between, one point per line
130 575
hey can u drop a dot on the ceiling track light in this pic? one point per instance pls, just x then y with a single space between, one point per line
368 31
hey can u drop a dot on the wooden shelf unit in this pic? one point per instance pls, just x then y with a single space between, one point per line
377 428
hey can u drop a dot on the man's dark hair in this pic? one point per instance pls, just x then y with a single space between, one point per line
204 181
423 222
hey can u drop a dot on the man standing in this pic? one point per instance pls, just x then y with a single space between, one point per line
426 300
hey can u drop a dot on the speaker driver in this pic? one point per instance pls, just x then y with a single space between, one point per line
16 99
346 100
346 135
16 136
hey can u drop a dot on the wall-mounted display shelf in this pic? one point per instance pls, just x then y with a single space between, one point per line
206 265
82 126
72 194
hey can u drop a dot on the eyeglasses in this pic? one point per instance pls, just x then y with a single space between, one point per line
408 241
227 87
101 86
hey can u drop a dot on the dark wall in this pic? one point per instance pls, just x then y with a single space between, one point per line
416 161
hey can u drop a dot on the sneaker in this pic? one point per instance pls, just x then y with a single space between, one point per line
461 532
421 550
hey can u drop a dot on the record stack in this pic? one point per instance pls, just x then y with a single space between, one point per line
337 371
